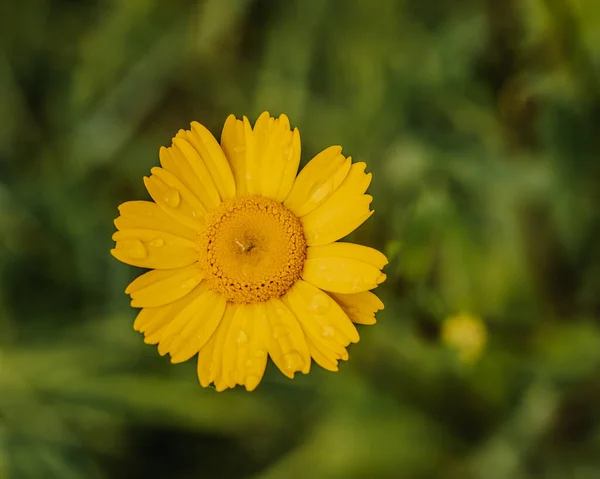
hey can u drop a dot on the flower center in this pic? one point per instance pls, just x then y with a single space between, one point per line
252 249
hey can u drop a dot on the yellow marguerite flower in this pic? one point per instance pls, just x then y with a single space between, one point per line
244 253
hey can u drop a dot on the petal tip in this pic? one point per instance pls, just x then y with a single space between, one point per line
251 383
133 303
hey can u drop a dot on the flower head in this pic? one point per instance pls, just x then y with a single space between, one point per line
243 253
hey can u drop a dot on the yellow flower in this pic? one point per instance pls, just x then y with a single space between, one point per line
244 253
465 333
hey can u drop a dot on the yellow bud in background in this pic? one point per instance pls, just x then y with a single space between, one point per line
466 334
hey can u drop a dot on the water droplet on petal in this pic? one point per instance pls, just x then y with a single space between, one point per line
357 285
242 337
293 361
321 303
157 242
280 331
259 353
248 363
328 331
134 248
317 192
172 198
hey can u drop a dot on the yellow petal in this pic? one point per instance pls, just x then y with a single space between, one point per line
342 275
244 353
153 322
233 143
264 160
285 340
153 249
341 213
149 216
360 307
159 287
200 319
318 180
252 166
328 330
212 155
290 168
324 357
151 319
348 250
177 201
239 144
210 357
197 302
183 162
344 267
164 336
277 155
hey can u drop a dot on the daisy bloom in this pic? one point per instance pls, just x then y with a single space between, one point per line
244 256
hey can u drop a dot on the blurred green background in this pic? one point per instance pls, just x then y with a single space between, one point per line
480 122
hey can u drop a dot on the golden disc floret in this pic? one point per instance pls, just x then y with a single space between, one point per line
252 249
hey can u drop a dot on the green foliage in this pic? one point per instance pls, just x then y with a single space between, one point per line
479 121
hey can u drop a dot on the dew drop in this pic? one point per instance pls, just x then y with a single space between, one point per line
248 363
317 192
172 198
190 283
293 361
259 353
157 242
356 285
280 331
242 337
320 304
135 248
328 332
